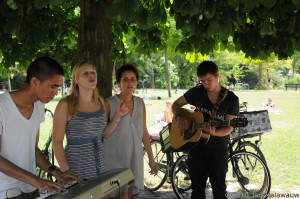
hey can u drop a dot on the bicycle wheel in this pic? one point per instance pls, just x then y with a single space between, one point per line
180 178
253 148
248 176
154 182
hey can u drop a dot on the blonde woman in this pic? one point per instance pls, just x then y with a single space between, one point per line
81 116
124 148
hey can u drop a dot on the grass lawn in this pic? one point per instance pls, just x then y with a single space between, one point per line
281 146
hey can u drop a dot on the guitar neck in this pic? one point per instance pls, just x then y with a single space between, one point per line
214 124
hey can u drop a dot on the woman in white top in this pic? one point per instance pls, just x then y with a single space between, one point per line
124 148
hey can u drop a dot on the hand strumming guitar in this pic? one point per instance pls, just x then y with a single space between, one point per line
207 128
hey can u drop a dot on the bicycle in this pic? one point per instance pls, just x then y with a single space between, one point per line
164 157
250 172
47 149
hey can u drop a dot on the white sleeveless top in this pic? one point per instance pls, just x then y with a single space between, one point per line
124 148
18 136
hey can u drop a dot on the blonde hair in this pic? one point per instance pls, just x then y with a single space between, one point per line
72 99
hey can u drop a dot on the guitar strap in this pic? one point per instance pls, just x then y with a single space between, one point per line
223 93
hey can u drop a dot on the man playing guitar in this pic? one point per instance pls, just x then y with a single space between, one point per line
209 159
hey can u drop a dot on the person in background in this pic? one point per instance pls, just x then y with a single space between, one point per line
196 81
230 86
81 116
21 113
208 160
168 114
116 90
124 148
269 82
270 106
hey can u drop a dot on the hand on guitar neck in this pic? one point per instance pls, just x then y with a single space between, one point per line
190 127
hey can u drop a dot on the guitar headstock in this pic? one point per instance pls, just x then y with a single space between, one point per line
239 122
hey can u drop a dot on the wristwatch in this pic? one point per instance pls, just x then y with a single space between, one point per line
52 168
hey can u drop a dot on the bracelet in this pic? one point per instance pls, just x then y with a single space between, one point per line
52 168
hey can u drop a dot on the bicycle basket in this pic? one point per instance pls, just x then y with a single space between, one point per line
258 123
164 135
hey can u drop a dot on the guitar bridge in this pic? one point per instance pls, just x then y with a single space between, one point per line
188 134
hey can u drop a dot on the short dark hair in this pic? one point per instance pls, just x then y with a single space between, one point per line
43 68
207 67
124 68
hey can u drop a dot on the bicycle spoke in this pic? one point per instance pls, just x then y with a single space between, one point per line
154 182
180 178
251 173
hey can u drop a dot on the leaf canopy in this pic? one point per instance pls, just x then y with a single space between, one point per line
256 27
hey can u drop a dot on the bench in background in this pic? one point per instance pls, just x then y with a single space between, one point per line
291 86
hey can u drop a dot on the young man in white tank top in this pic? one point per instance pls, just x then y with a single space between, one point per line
21 113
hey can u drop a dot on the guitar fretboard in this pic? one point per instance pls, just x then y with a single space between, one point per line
213 124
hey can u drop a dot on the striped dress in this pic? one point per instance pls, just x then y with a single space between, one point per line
84 149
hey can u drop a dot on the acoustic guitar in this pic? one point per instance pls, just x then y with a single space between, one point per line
194 121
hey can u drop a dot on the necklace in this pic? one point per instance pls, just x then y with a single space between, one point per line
129 103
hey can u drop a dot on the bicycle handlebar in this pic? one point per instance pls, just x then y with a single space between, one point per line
48 110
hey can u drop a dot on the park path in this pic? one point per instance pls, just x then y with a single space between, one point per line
157 194
167 194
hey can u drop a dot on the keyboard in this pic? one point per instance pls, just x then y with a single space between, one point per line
108 185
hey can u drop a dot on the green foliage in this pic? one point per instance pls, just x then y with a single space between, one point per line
268 3
254 25
250 78
161 80
17 82
293 80
186 72
40 28
143 21
4 72
190 28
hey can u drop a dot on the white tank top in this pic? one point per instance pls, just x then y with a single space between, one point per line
18 137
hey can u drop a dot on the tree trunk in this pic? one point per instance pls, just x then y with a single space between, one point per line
95 41
261 81
151 72
9 83
168 73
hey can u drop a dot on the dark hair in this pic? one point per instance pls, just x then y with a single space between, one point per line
124 68
43 68
207 67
